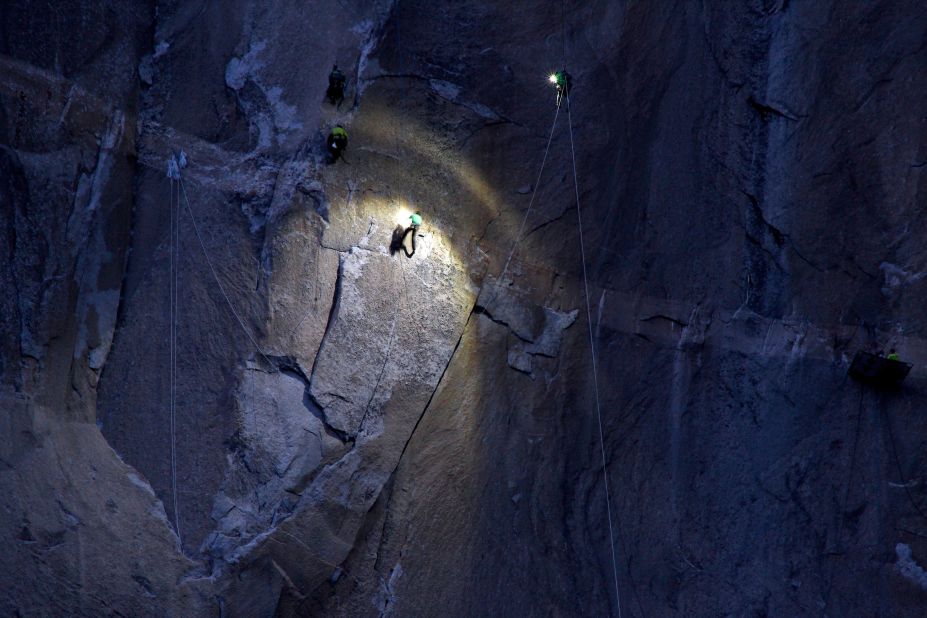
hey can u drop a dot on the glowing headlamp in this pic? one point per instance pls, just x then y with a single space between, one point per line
402 215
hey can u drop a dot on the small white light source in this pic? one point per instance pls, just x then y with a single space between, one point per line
553 78
402 215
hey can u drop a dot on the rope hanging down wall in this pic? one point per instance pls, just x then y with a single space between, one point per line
524 219
595 373
598 408
176 163
173 173
582 247
215 276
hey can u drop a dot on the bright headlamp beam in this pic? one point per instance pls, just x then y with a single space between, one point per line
402 215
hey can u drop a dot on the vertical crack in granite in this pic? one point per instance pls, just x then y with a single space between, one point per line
417 435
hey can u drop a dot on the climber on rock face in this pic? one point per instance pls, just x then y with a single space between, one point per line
563 82
337 142
416 221
336 82
892 355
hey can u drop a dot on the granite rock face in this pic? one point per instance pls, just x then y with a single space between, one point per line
351 432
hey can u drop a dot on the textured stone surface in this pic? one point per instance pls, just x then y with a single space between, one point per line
364 434
68 136
84 532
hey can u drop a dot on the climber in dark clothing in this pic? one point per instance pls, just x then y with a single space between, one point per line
336 82
337 142
396 241
563 82
416 221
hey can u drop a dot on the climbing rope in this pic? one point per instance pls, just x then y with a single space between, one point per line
901 476
386 354
215 275
515 244
414 319
315 301
595 379
175 207
398 36
174 267
524 220
846 499
563 34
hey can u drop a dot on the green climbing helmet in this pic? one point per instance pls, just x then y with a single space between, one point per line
416 218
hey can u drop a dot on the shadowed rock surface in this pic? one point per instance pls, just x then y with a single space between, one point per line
356 433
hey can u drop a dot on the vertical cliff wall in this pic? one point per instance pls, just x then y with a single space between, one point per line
351 432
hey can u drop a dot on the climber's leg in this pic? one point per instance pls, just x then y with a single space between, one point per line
402 243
